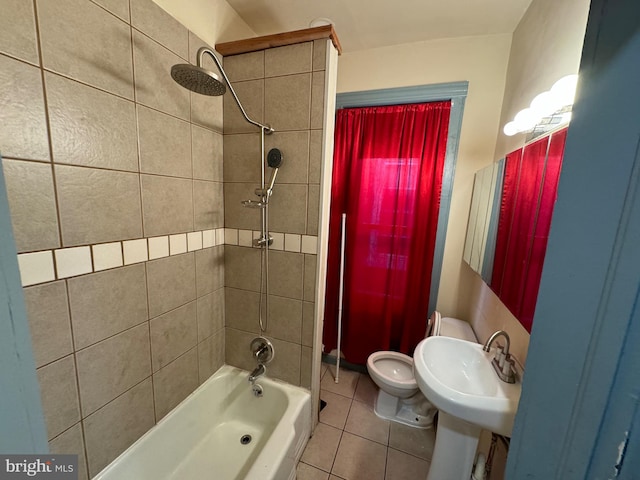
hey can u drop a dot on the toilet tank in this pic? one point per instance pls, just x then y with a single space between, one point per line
456 328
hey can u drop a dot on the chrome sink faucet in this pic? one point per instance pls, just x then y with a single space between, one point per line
502 362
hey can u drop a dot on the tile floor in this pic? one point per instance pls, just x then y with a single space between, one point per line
352 443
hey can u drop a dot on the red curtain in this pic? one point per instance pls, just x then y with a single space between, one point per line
387 178
528 196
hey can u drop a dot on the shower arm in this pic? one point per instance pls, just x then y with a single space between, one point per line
201 51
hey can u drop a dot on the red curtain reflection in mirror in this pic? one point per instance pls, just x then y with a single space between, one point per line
387 176
529 194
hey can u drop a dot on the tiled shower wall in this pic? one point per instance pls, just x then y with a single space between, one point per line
114 177
283 87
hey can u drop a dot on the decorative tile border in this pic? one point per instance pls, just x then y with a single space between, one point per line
40 267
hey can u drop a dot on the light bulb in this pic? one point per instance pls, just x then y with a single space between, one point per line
564 90
526 119
545 104
510 129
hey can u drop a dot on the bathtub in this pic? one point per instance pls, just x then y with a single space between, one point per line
202 437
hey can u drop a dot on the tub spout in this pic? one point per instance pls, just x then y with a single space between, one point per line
257 372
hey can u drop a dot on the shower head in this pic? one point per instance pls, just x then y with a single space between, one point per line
205 82
198 80
274 158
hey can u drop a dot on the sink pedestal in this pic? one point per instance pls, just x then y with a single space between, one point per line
455 449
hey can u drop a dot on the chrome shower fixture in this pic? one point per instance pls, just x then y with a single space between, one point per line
205 82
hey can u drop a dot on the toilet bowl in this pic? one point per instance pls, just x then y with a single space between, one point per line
399 398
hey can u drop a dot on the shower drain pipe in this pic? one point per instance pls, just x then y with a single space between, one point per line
341 291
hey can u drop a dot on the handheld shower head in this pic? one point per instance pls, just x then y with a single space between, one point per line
274 160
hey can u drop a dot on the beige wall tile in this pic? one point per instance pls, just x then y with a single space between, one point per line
49 323
242 268
317 100
313 210
98 52
152 20
106 303
288 209
71 442
320 54
242 158
287 102
165 144
288 60
208 205
288 268
172 334
306 363
315 156
286 363
211 355
154 86
18 30
209 270
241 309
210 313
59 394
90 127
295 156
167 205
235 214
33 205
237 352
119 8
175 382
97 206
171 282
308 323
110 430
22 103
251 95
206 152
205 110
111 367
285 318
310 262
246 66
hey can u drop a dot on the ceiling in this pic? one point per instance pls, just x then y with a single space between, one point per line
365 24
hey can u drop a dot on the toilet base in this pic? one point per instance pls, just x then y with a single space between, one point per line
415 411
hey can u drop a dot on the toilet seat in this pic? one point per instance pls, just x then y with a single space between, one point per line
395 370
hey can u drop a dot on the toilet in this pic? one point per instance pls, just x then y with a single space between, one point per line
399 398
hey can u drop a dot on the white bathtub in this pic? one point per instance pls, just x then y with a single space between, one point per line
200 438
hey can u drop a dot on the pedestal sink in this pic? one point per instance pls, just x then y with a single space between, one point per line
457 377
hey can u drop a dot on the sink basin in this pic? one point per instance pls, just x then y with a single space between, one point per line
458 378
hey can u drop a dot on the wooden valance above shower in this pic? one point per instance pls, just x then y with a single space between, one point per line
279 40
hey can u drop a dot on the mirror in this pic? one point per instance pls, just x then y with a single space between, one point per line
509 222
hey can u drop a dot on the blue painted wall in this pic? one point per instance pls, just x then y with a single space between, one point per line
22 428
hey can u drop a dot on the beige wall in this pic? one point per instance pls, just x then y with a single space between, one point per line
212 20
115 173
547 45
482 61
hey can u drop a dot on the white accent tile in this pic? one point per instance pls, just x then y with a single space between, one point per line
309 244
178 243
230 236
158 247
36 267
208 238
194 241
278 241
107 255
256 236
219 236
135 251
292 242
245 238
73 261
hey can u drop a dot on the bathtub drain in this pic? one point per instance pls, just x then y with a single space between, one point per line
245 439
